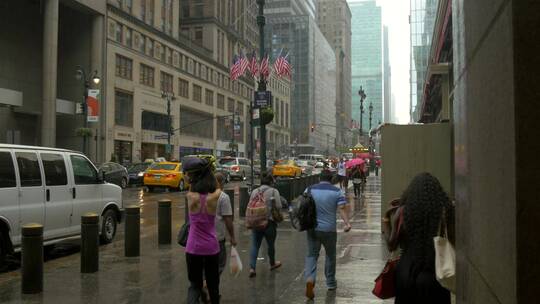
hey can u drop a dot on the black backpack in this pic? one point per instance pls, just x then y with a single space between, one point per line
306 214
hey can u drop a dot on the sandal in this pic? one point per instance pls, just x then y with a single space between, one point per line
276 265
252 273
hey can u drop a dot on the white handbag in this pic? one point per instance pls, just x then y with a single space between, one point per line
445 258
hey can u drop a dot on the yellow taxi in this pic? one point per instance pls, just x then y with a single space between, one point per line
287 167
165 174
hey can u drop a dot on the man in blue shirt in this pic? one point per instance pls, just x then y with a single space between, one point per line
328 200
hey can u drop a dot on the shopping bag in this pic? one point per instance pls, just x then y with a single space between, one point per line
235 264
385 287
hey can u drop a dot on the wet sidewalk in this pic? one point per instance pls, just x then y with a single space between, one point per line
159 274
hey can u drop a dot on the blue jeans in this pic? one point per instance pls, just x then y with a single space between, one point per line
314 240
257 236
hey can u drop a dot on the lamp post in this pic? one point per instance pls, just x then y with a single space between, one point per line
362 98
261 21
81 74
169 96
370 113
234 124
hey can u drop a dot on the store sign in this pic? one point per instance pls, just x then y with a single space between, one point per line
93 105
123 135
198 144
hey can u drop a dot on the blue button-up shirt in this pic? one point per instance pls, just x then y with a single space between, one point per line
327 199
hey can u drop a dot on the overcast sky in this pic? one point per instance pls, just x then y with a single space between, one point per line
396 17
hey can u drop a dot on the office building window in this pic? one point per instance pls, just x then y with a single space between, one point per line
143 10
221 101
129 34
240 108
183 88
286 115
147 75
118 34
209 97
197 92
198 38
154 121
166 80
124 67
195 122
230 105
151 13
123 108
129 5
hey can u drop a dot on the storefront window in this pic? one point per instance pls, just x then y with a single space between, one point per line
122 151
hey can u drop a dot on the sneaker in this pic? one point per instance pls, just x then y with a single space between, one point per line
310 294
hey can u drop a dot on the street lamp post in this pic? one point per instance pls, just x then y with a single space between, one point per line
362 98
261 21
83 76
234 117
370 115
169 96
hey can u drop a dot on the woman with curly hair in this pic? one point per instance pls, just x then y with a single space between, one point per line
425 202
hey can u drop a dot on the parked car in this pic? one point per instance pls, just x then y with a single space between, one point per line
165 174
318 168
115 174
136 173
53 187
238 167
307 169
287 168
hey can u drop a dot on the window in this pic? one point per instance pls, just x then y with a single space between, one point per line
129 34
143 10
286 115
195 123
147 75
154 121
123 109
230 105
240 108
209 97
142 44
198 10
198 39
85 173
221 101
197 92
7 171
28 169
55 169
166 82
162 53
124 67
168 56
151 47
185 11
118 33
129 5
151 13
183 88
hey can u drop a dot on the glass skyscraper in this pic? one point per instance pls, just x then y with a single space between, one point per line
422 22
367 60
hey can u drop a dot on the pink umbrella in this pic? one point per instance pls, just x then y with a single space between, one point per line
354 162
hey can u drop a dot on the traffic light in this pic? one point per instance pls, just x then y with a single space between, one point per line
312 128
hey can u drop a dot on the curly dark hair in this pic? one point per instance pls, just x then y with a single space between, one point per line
424 201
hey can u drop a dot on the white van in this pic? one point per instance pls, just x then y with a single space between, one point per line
311 158
53 187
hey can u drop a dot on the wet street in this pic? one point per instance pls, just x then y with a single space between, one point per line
159 274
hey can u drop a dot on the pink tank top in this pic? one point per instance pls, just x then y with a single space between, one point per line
202 238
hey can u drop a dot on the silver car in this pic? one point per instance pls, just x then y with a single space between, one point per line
238 167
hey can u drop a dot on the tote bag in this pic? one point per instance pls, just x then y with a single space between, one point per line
445 258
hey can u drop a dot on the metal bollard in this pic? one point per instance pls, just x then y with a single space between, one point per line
244 199
32 258
298 182
132 246
89 243
230 193
164 222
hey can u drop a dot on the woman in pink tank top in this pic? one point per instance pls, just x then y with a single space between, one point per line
202 249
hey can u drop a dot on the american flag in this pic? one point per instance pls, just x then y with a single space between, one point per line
235 68
244 64
265 68
282 66
254 65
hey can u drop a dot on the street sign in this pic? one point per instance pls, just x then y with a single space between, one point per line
263 99
160 136
168 149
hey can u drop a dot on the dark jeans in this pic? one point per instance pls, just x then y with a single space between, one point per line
357 189
316 239
196 265
257 236
222 256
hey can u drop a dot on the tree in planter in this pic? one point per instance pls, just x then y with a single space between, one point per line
83 132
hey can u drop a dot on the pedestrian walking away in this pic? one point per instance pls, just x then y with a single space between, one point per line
357 180
202 249
328 200
224 221
424 203
342 173
271 196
